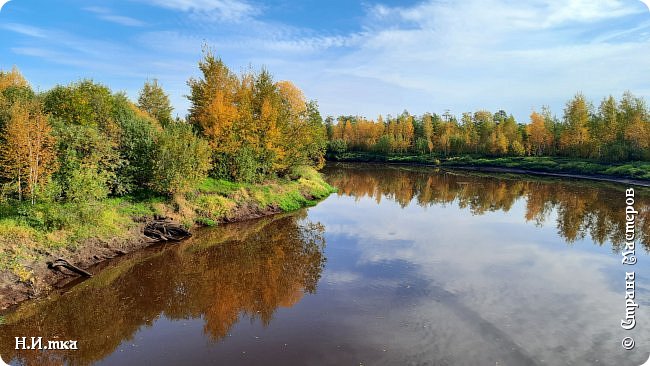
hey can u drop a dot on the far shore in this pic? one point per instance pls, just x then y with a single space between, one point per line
601 178
622 173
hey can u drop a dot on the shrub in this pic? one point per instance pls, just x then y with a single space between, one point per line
338 146
384 145
181 159
87 184
137 147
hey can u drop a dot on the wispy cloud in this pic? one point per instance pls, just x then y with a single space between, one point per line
436 55
108 15
223 10
26 30
495 54
431 56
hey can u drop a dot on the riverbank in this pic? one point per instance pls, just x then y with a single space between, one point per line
88 233
636 173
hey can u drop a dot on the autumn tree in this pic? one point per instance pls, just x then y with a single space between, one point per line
634 122
538 136
13 88
602 128
28 157
576 138
427 130
212 97
255 126
618 131
84 103
12 78
153 100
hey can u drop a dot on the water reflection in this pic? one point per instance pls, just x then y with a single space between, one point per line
472 269
579 208
424 267
240 271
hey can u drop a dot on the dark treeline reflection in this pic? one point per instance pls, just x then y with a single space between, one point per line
238 271
582 208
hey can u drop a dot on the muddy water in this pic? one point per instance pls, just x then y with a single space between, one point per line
403 266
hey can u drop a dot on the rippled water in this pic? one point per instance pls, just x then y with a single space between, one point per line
404 266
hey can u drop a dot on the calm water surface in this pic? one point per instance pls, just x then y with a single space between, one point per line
403 266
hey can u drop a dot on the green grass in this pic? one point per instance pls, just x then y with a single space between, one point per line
634 170
215 199
220 186
133 207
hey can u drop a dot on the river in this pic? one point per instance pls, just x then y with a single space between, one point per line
403 266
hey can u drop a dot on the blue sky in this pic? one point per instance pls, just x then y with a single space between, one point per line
364 58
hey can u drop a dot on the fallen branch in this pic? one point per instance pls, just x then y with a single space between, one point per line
165 230
65 264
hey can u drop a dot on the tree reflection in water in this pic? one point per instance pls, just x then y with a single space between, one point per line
245 270
582 207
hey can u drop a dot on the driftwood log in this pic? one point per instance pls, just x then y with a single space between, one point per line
165 230
57 264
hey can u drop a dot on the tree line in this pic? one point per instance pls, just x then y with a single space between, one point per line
82 142
617 130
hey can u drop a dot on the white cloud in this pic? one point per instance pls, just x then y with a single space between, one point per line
341 277
225 10
493 54
588 10
107 14
23 29
119 19
435 55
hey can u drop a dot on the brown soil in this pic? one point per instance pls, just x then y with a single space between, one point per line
43 280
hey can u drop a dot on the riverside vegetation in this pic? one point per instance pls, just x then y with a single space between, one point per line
83 167
612 140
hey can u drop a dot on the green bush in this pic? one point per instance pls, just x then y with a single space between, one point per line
245 166
181 159
384 145
83 103
87 184
338 146
84 147
137 145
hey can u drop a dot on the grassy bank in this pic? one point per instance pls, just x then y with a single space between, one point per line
30 234
629 170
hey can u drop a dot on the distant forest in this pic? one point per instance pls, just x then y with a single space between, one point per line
615 131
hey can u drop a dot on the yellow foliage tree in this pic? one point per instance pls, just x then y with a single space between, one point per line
576 137
28 155
539 137
12 78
